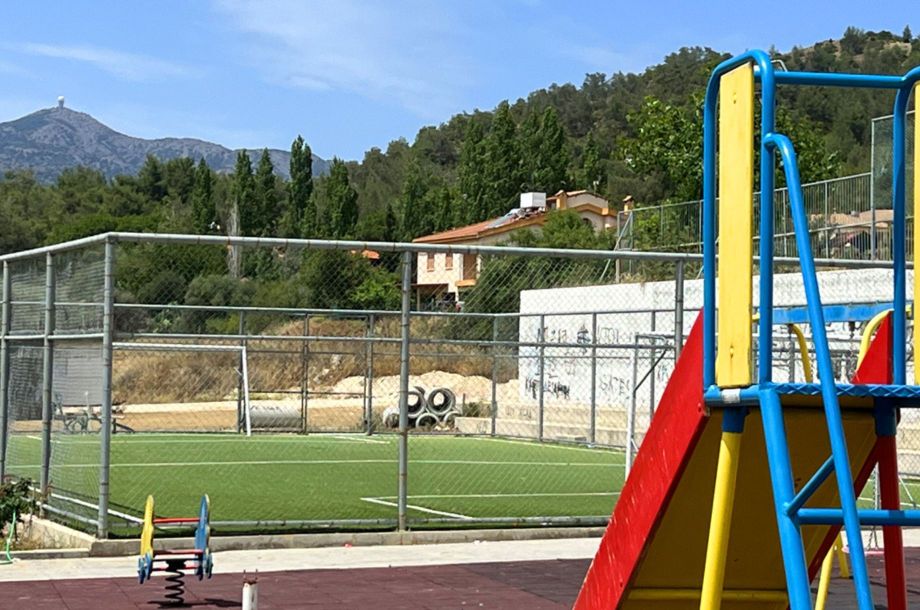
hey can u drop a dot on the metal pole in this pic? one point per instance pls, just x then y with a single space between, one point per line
241 328
652 353
631 414
494 411
873 246
305 378
4 366
827 246
108 330
593 434
369 376
47 375
542 351
678 310
403 489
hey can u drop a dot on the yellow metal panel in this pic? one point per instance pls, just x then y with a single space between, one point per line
736 219
916 225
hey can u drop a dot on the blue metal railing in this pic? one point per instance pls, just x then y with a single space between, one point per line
790 510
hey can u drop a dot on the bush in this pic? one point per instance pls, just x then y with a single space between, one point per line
16 498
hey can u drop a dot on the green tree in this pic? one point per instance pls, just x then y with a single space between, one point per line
472 180
301 208
503 172
416 218
203 198
667 147
241 191
593 174
342 202
265 198
150 179
544 153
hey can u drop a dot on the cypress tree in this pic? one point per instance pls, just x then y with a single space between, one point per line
472 175
266 200
342 215
301 209
203 197
503 174
241 188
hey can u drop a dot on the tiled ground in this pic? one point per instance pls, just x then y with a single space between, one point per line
532 585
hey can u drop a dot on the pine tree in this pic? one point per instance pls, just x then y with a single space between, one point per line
503 172
907 35
150 179
203 198
472 175
530 135
265 197
241 194
301 208
342 215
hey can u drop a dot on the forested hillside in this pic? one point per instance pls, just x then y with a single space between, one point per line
616 133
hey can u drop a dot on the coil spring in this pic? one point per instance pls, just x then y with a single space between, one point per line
175 588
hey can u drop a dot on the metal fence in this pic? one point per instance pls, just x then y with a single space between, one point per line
849 218
314 385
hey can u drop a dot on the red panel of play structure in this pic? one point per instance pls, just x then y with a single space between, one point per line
668 444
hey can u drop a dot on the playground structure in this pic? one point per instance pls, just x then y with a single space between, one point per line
804 460
176 562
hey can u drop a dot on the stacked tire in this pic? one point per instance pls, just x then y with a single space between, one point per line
425 411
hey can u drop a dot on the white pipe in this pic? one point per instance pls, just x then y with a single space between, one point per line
250 595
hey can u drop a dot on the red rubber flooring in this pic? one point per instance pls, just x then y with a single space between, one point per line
532 585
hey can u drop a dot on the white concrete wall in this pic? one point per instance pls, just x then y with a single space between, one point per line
567 371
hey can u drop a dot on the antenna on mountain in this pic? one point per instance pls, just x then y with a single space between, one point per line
61 102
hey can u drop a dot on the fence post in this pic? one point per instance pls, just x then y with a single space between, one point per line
305 378
241 330
108 330
652 355
542 350
494 410
872 237
827 244
47 375
631 414
369 375
678 309
403 490
593 435
4 366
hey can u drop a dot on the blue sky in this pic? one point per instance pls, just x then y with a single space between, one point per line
351 74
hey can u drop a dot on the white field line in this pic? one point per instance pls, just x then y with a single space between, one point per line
333 462
418 508
545 445
359 439
549 494
235 439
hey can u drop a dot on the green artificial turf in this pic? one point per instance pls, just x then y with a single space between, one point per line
332 477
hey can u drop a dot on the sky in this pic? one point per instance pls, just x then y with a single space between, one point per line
349 75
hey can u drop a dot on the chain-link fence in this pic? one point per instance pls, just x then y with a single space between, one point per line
314 385
846 221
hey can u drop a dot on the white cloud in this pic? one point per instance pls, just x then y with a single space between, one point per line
407 52
127 66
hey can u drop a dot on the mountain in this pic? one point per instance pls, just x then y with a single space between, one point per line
53 139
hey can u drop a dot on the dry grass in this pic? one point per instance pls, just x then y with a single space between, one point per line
276 365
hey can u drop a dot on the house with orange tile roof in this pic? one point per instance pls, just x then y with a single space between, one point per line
444 276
